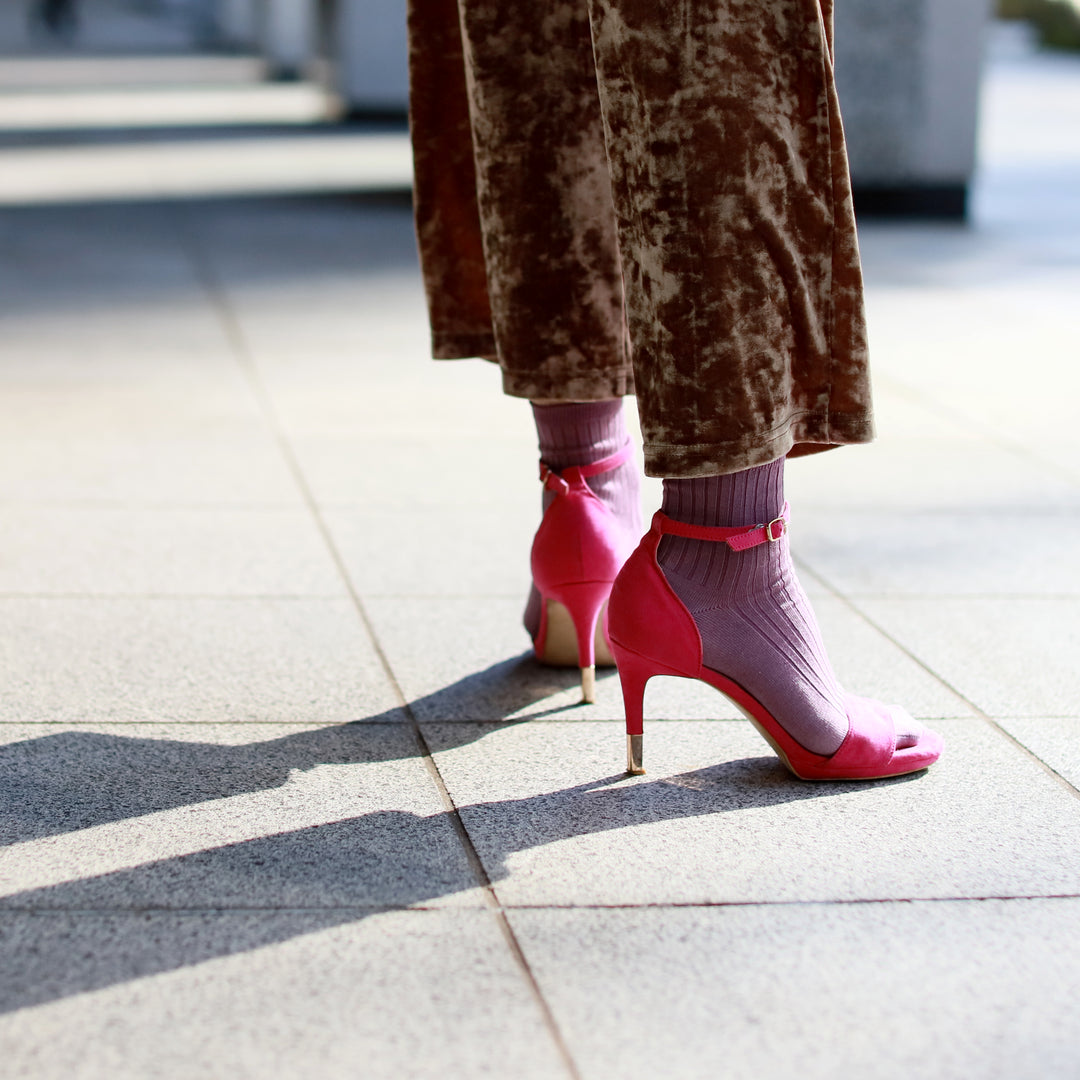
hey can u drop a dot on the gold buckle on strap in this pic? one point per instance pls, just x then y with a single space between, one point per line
769 530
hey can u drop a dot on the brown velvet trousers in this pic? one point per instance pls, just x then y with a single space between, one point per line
650 196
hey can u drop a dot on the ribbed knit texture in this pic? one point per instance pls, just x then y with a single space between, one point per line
757 626
580 433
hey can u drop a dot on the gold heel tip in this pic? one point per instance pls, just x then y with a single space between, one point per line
633 755
588 685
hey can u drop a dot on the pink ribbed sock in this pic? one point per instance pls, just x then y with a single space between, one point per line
580 433
756 623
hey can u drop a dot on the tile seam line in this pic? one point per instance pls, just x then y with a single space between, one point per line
903 595
237 597
1060 594
244 358
314 724
675 905
980 713
858 901
126 505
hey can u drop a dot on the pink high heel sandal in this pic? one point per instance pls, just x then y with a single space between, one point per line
576 553
652 633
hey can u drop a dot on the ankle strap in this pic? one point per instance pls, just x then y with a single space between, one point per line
739 538
557 481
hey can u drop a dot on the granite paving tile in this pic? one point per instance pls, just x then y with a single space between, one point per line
920 480
718 820
60 779
390 395
390 342
1007 655
55 348
143 816
459 551
93 251
1056 451
417 995
246 471
170 340
925 554
293 659
942 991
263 240
413 473
219 551
1054 740
64 405
468 658
124 332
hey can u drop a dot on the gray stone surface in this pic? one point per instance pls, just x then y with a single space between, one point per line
192 471
339 396
182 817
246 995
718 820
188 658
1008 655
471 551
928 470
964 553
945 991
73 401
468 658
1053 740
394 472
223 551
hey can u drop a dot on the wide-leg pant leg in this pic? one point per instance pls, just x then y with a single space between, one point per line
730 179
444 189
728 175
537 187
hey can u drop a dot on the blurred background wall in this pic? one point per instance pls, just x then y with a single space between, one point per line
908 74
908 70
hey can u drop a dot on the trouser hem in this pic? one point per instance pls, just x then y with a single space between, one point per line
598 386
462 346
806 436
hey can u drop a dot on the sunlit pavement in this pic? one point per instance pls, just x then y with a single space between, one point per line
283 793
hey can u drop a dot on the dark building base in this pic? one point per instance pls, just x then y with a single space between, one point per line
934 201
388 117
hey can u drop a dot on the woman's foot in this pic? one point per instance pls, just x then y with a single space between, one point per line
592 519
756 624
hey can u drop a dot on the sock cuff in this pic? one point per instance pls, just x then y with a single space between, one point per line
750 497
579 433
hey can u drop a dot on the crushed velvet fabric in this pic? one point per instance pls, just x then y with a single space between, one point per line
649 194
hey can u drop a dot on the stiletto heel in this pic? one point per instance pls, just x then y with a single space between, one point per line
652 633
584 601
577 551
634 672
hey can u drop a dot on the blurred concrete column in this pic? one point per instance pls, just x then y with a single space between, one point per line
237 23
908 76
907 71
288 36
370 48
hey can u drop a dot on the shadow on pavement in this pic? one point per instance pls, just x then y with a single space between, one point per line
77 779
177 912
